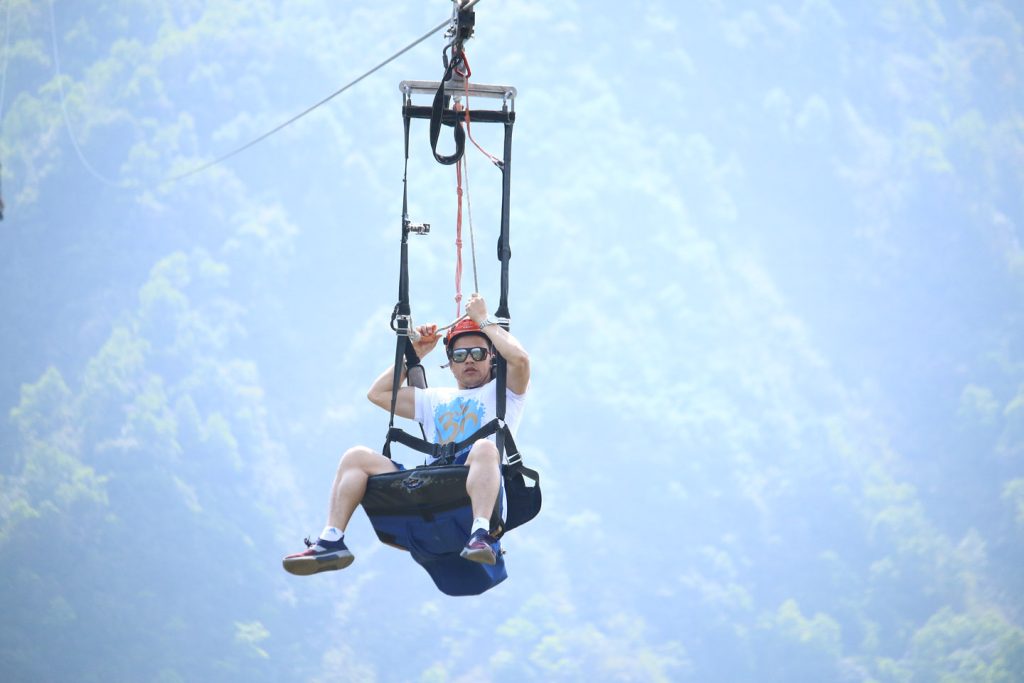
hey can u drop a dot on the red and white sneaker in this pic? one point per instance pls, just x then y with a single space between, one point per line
480 548
321 556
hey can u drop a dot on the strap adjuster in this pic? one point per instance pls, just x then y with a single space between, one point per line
407 329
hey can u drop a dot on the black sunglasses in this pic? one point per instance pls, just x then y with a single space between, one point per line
477 353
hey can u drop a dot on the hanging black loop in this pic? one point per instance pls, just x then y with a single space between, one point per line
437 113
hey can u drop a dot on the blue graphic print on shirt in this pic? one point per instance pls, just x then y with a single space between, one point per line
457 419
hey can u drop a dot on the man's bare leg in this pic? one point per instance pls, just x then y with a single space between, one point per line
483 484
356 466
484 480
329 552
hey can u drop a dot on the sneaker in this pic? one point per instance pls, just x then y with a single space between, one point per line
318 557
479 548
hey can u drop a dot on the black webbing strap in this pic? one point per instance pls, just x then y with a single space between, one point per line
400 318
504 243
504 255
436 112
446 452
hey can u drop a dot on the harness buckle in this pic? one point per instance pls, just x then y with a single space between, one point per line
444 454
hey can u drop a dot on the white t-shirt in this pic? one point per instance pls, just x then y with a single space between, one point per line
449 414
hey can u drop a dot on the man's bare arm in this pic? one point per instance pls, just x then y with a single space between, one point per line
518 377
380 392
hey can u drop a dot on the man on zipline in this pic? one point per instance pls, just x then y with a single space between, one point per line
448 415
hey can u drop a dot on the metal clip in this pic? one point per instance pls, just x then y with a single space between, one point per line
408 330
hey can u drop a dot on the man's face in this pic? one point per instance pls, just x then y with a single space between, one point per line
470 373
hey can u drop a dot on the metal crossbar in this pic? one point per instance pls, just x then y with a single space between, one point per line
457 86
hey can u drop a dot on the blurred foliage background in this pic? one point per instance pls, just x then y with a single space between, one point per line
766 258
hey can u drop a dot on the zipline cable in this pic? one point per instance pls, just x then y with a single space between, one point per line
64 110
238 150
298 116
7 40
3 92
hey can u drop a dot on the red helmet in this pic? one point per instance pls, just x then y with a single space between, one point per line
464 326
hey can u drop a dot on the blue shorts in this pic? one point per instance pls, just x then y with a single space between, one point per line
427 512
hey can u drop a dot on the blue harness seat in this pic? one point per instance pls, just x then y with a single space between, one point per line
427 512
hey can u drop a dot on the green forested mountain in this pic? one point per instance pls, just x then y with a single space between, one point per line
767 263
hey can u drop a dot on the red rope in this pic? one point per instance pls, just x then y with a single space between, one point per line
469 214
465 72
469 130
